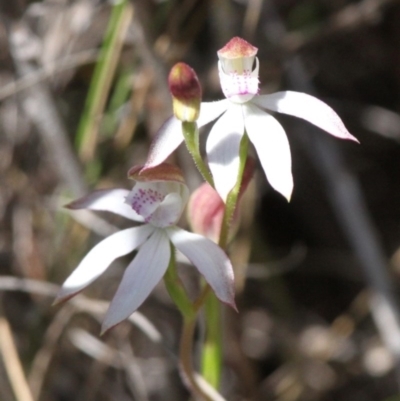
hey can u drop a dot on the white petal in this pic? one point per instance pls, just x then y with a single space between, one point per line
140 277
223 149
168 138
272 146
210 260
237 85
209 111
308 108
101 256
168 212
108 200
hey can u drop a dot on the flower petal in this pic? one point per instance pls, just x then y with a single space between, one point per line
154 202
209 111
239 87
140 277
168 212
308 108
108 200
272 146
100 257
223 149
168 138
210 260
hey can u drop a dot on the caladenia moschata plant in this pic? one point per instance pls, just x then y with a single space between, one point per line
244 115
157 201
160 195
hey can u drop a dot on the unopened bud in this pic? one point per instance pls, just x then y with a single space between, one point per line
206 208
186 92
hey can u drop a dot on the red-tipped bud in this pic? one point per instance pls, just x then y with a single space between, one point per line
186 92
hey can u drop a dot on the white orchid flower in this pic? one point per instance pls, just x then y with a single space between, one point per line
243 110
158 199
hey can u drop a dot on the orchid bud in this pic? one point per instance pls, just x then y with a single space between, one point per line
206 208
186 92
239 81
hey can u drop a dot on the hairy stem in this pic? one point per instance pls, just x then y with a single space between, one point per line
191 134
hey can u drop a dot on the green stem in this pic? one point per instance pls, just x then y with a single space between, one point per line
176 289
212 351
232 198
191 135
211 364
189 311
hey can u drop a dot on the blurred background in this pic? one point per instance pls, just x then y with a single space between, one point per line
82 92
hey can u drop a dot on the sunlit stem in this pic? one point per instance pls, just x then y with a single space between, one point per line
232 198
211 363
191 135
212 351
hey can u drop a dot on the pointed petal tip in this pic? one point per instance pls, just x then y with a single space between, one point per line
57 302
354 139
71 205
285 192
106 327
109 323
63 297
306 107
232 304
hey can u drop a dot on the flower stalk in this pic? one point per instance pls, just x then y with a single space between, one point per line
191 134
212 350
233 195
176 290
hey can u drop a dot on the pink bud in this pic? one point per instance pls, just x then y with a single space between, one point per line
206 208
